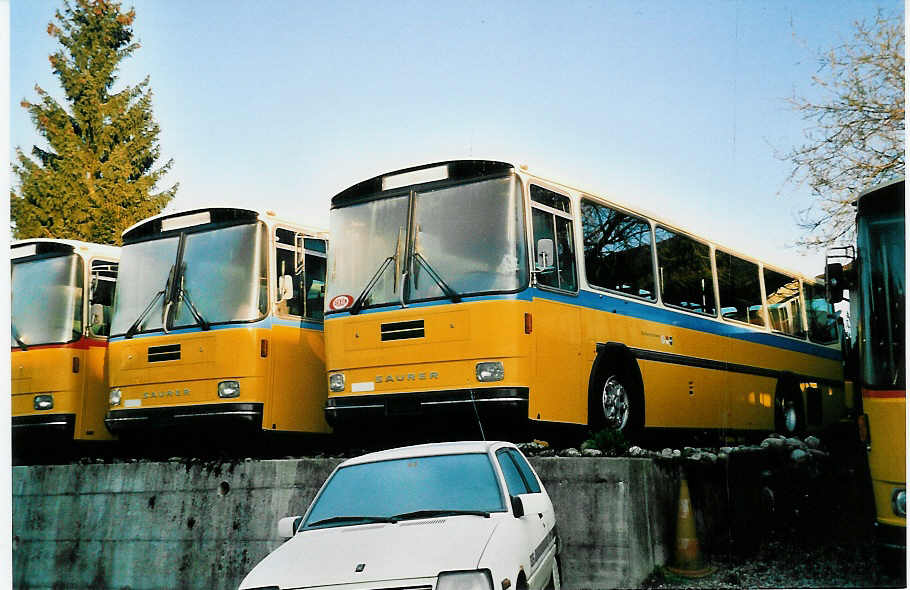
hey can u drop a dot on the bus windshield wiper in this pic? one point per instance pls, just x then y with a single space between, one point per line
441 512
182 296
135 327
449 292
15 334
363 519
358 303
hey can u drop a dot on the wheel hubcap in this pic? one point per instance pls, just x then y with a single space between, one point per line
615 404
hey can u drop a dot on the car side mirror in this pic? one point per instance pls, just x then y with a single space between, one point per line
285 287
287 526
838 278
518 507
97 315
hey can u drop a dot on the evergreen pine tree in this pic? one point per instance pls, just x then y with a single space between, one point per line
98 176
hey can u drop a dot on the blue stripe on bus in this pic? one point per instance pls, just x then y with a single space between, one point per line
266 323
642 311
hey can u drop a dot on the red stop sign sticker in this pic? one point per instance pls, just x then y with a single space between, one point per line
340 302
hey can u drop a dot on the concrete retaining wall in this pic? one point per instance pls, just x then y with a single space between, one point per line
140 526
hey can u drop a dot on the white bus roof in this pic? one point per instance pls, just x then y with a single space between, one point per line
85 249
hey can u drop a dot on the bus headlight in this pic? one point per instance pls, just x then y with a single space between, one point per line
490 371
471 580
899 502
229 389
115 397
336 382
44 402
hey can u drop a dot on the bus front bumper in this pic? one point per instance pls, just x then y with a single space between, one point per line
42 424
208 415
509 403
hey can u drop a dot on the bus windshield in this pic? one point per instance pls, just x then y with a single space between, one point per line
46 300
222 273
883 284
467 239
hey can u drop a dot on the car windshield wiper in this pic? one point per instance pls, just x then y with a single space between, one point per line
15 334
358 303
449 292
440 512
358 519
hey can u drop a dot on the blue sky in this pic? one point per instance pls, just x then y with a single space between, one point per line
674 107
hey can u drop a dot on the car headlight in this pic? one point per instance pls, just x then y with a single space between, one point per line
471 580
899 502
229 389
44 402
115 397
490 371
336 382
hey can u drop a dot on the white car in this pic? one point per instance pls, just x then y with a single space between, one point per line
446 516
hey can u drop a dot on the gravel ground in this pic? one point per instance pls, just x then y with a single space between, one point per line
794 563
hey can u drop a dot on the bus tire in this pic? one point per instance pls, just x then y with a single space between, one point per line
615 401
789 414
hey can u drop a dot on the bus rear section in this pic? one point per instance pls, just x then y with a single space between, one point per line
475 285
61 297
218 327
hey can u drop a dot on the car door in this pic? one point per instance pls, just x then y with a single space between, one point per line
538 523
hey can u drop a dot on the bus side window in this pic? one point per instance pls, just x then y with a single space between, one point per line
617 250
784 309
101 296
554 241
314 277
740 291
684 272
288 277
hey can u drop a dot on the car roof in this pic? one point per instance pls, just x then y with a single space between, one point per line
428 450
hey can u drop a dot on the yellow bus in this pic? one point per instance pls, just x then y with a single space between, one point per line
476 285
877 304
217 325
61 295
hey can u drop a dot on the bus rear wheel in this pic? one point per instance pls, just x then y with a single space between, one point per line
789 415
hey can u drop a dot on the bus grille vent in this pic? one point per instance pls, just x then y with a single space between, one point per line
401 330
166 352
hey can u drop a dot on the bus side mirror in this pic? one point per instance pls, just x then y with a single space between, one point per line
285 287
97 315
545 253
837 278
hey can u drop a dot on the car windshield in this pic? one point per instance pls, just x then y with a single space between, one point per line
222 273
467 239
46 305
385 489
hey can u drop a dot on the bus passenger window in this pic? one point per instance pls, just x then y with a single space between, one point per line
684 271
820 313
554 242
101 298
617 250
740 291
784 308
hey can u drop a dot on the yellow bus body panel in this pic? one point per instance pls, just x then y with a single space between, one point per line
206 358
887 453
554 362
49 371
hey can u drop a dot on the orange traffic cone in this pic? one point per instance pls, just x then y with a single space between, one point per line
688 561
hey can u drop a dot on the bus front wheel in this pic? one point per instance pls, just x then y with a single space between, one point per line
615 404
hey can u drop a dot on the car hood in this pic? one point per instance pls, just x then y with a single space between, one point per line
408 549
